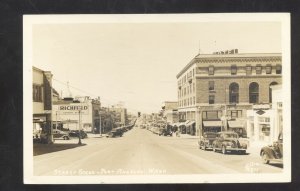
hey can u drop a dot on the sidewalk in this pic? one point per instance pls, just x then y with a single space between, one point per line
254 148
58 145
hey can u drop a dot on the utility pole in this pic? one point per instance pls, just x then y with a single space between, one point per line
79 124
56 120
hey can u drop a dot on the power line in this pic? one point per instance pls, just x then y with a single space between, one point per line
110 102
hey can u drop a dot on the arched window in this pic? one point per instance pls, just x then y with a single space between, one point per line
253 93
234 93
270 91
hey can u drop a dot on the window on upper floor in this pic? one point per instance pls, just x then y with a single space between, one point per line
269 69
233 69
37 93
248 70
234 93
211 99
211 70
253 92
258 69
278 69
193 72
211 85
194 100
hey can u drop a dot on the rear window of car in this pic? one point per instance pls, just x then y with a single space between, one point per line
210 135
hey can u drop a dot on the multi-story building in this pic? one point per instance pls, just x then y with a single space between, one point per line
170 111
83 113
120 115
216 90
42 102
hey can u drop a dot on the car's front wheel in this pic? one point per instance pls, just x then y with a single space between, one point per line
224 150
214 148
265 158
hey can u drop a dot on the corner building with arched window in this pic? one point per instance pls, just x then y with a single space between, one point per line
216 90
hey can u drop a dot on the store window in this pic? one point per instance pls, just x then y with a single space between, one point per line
253 93
269 69
264 132
211 99
235 114
211 70
234 93
233 69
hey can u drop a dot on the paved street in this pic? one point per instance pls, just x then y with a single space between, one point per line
140 151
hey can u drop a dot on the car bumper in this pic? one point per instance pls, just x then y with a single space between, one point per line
235 149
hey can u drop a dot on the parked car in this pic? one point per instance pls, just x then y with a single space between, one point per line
115 133
58 134
229 141
165 132
74 133
206 141
273 152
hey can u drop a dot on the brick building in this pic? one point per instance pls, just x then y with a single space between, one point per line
215 90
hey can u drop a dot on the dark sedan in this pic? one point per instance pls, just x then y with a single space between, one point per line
74 133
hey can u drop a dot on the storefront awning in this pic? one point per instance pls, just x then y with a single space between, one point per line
181 124
235 124
190 123
212 123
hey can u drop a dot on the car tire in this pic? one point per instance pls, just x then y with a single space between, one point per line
264 158
204 147
214 148
224 150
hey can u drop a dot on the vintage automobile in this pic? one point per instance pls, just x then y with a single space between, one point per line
273 152
165 132
115 133
74 133
229 141
58 134
206 141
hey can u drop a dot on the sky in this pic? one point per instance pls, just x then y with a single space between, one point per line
137 63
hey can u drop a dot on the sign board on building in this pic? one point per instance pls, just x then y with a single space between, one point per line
73 109
261 107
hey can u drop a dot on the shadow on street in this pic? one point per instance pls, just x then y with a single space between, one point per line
279 165
39 149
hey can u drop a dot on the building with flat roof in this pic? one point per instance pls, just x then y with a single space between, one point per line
216 90
42 102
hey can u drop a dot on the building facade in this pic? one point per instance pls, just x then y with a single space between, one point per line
83 113
42 102
170 111
265 122
216 90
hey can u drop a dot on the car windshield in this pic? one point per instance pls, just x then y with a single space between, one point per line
210 135
230 136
